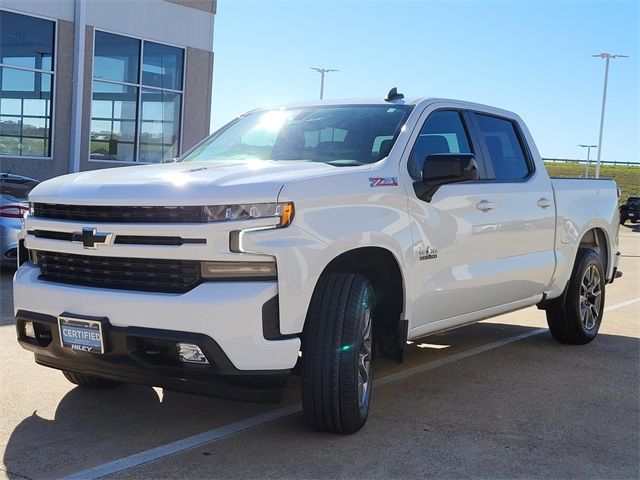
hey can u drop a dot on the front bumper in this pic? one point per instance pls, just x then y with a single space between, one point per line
228 313
148 356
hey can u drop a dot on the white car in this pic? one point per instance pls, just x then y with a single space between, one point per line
13 205
302 236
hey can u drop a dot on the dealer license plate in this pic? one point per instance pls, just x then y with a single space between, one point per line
80 334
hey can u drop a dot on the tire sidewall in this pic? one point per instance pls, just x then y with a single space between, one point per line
350 358
572 302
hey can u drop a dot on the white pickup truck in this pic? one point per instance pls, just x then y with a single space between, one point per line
309 237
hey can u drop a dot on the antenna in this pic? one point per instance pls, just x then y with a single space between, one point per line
393 95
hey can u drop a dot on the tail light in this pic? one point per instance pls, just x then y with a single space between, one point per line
13 211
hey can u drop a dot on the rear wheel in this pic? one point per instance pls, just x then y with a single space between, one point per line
336 354
578 318
89 381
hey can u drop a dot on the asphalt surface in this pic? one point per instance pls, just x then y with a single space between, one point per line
497 399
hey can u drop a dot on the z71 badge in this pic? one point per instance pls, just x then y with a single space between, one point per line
383 182
427 254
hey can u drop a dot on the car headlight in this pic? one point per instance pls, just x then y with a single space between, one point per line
249 211
239 270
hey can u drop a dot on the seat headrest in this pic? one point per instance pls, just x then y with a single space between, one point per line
436 144
385 148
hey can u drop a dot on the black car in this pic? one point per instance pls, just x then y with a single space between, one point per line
630 210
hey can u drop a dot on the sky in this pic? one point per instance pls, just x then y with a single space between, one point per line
530 57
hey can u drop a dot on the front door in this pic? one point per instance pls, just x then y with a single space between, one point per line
455 234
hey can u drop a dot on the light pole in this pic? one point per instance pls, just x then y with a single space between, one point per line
588 147
607 57
322 72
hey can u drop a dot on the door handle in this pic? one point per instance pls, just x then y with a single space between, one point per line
485 205
544 203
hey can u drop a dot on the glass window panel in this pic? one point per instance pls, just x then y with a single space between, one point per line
35 107
26 41
113 121
160 128
10 106
34 147
35 127
9 145
442 132
26 112
505 151
116 57
162 66
10 125
101 109
17 81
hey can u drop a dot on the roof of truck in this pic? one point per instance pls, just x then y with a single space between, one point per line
381 101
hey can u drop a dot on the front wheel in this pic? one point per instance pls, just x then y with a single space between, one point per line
336 354
577 319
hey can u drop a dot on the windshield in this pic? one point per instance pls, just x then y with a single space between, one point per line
338 135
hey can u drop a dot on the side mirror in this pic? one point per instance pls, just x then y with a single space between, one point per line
443 168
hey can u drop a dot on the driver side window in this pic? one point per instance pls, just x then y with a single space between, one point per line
442 132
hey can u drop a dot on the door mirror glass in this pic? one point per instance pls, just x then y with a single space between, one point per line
449 168
443 168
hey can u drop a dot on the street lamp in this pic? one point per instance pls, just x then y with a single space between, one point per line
607 57
588 147
322 72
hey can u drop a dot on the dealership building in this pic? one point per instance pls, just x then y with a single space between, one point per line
88 84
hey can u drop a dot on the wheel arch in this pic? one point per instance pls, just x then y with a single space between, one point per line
594 238
383 270
597 239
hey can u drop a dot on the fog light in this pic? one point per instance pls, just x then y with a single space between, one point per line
190 353
28 330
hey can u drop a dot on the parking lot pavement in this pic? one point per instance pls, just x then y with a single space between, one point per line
469 402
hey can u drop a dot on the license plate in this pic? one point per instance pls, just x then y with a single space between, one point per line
632 214
80 334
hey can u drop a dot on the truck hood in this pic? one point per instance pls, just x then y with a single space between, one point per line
193 183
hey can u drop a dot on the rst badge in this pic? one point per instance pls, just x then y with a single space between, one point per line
427 254
383 182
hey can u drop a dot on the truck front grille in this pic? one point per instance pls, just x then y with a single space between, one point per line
142 274
119 214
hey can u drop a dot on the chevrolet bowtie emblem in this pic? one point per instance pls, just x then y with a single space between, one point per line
91 238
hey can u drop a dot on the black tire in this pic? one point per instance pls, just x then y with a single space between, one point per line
89 381
577 319
622 220
336 355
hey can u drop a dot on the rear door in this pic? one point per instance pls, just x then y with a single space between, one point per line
525 208
455 234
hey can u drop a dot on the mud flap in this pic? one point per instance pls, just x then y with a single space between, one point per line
391 347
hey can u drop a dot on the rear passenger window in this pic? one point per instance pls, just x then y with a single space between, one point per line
505 150
443 132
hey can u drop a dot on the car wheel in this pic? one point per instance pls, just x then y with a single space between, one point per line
577 320
336 354
89 381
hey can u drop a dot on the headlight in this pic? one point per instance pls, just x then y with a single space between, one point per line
222 213
239 270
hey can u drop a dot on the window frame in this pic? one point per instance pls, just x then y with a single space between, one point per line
524 146
140 86
53 72
469 128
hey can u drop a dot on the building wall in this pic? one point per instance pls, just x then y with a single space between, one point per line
183 23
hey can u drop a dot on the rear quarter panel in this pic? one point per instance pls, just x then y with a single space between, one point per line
582 205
